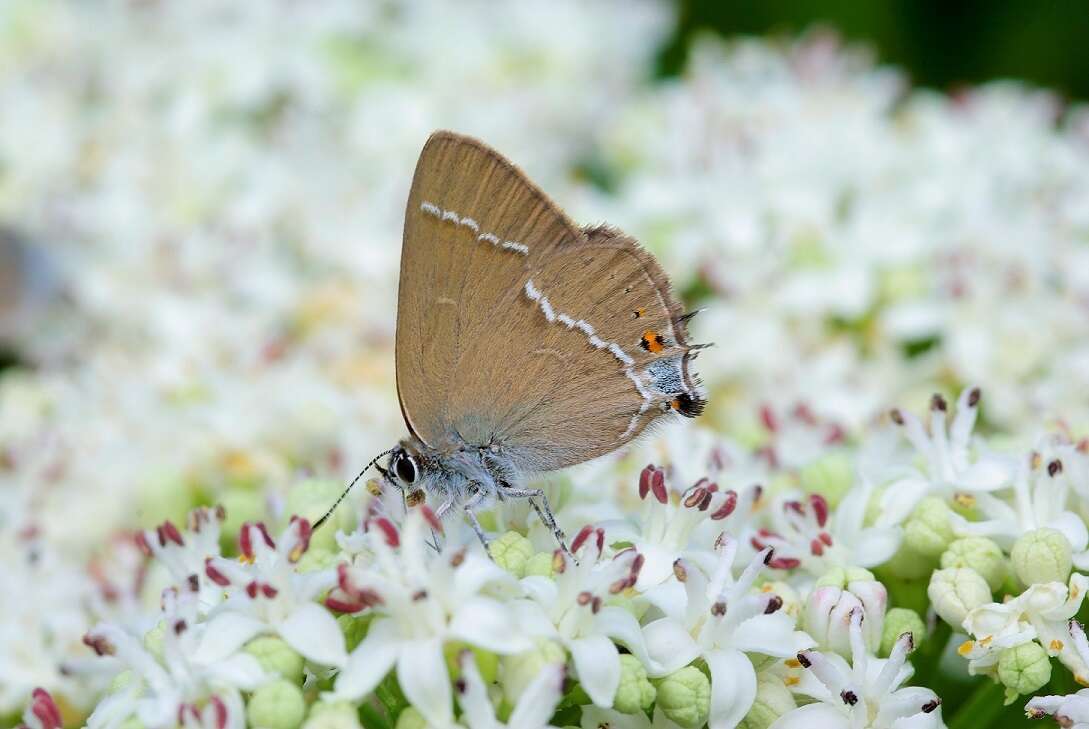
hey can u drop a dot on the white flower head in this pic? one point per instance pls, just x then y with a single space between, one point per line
573 607
172 682
184 555
422 599
952 467
267 594
868 693
721 620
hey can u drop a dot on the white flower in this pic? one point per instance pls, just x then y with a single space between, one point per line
268 595
571 608
720 621
185 555
806 533
830 607
1042 612
175 680
533 709
867 694
951 466
1040 500
422 600
1072 711
672 525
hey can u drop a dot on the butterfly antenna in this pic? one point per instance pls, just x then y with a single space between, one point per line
333 508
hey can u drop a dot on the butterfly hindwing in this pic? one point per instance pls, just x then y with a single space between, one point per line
518 329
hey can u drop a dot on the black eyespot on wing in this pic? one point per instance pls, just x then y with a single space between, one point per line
689 405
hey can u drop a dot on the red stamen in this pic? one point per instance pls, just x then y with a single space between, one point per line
820 508
581 537
45 709
727 507
767 417
657 486
644 480
215 575
430 517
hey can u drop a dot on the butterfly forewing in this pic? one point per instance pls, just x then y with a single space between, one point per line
517 329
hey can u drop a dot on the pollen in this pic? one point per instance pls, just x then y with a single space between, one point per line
374 487
1055 644
1082 680
793 663
791 680
245 559
652 341
965 500
966 647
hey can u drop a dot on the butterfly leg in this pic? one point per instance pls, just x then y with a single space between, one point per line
470 512
543 512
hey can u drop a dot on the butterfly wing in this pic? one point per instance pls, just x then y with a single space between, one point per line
516 328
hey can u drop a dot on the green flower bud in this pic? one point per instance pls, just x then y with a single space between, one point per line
153 641
539 565
954 592
317 558
1023 669
635 693
519 670
685 697
276 705
312 498
411 719
354 628
907 564
773 699
334 715
486 661
929 530
839 577
980 554
897 622
276 656
1042 555
830 476
241 505
511 551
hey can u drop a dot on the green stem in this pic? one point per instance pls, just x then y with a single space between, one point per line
930 654
981 708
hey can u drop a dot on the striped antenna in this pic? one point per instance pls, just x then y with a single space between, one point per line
333 508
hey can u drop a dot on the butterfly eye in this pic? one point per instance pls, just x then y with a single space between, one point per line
405 468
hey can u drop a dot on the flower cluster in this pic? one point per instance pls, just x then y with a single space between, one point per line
197 204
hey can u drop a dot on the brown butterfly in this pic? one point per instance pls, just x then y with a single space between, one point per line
525 344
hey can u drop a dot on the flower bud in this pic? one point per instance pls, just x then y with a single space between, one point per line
954 592
519 670
276 705
511 551
980 554
685 697
929 529
829 606
830 476
897 622
907 564
334 715
539 565
317 558
276 656
1042 555
411 719
635 693
773 699
1023 669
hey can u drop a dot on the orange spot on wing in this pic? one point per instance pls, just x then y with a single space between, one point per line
652 341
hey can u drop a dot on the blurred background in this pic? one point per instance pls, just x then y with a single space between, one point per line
201 207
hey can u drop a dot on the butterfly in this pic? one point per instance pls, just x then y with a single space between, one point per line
525 343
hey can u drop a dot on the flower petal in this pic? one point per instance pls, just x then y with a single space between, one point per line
369 662
900 498
597 663
538 701
876 545
240 670
621 626
225 634
669 645
313 632
421 673
772 635
733 687
487 624
812 716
